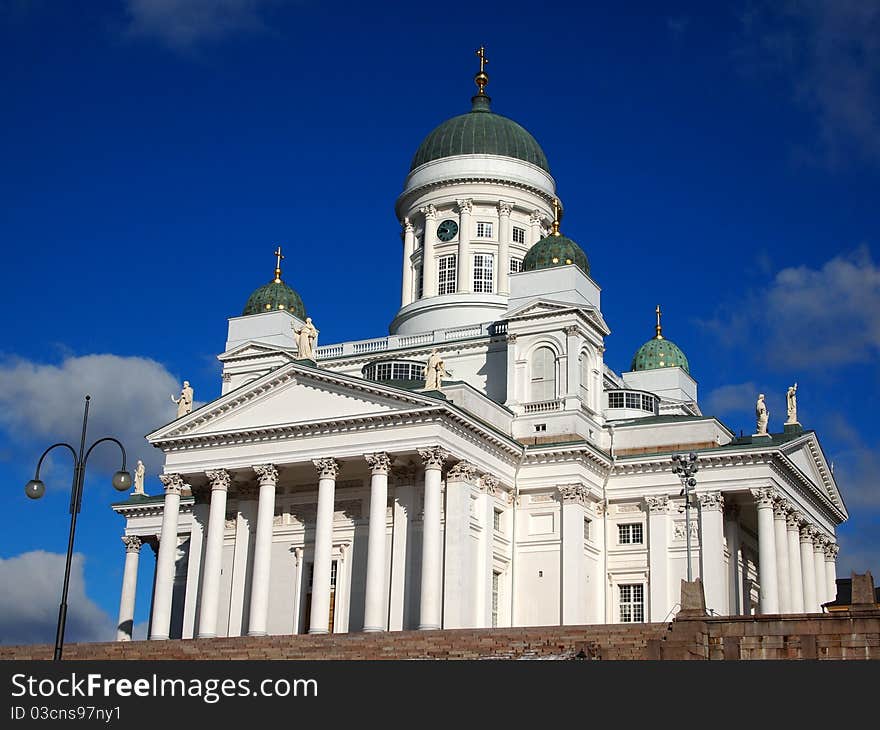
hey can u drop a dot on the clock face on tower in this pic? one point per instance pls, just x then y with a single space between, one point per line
446 230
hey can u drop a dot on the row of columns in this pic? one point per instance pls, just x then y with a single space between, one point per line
465 272
796 562
267 476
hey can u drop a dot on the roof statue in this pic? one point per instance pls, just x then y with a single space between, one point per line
185 402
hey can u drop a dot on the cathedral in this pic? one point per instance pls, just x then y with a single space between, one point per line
480 465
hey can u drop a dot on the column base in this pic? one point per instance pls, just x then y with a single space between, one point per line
429 627
206 636
258 633
158 638
373 629
319 631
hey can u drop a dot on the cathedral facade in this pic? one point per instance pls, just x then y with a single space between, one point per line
480 465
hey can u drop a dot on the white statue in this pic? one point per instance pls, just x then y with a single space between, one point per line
763 416
435 369
307 340
139 478
791 404
185 402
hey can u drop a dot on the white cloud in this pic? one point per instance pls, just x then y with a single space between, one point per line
734 398
29 602
185 23
42 403
809 319
828 51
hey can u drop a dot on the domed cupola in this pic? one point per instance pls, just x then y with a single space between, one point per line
659 353
480 132
555 250
275 295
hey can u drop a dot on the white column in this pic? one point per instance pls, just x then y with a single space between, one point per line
734 583
401 563
783 567
297 587
375 615
210 598
658 557
198 525
572 368
129 587
535 227
465 279
431 597
712 549
407 293
485 509
319 621
242 558
267 476
165 562
766 551
808 570
831 570
459 597
504 210
795 574
429 263
574 571
819 541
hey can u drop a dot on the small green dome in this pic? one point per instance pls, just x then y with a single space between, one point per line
480 132
555 250
275 295
659 353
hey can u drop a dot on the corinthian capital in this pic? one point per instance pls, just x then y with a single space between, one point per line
465 205
429 211
173 483
764 497
793 520
536 217
219 479
807 533
407 225
379 462
132 543
710 501
433 457
780 509
327 468
462 472
831 550
574 494
267 474
504 208
657 505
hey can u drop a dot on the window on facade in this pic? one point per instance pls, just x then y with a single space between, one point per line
648 403
496 590
515 266
586 528
630 534
519 235
543 374
484 229
615 400
483 273
496 520
632 603
420 284
633 400
585 377
446 275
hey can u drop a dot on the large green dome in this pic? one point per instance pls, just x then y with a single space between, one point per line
555 250
659 353
480 132
275 295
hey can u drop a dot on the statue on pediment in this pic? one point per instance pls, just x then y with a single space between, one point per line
139 472
307 340
435 369
791 404
185 402
762 416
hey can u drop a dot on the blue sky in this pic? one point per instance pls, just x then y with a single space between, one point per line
721 159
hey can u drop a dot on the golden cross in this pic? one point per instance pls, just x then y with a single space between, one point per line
483 60
557 216
278 257
659 328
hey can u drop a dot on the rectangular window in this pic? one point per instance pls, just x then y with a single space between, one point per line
420 284
615 400
446 275
496 589
587 528
632 603
515 266
648 403
483 273
496 520
519 235
634 400
484 229
630 534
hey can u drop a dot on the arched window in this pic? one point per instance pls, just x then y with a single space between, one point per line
543 374
585 377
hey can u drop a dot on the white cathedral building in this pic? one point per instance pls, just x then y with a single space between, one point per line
331 491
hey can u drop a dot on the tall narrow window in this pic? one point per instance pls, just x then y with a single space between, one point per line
496 589
632 603
543 374
483 273
420 284
446 275
519 235
585 377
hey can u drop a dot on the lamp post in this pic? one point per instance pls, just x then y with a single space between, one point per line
35 489
685 466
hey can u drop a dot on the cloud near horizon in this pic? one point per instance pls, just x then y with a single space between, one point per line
32 592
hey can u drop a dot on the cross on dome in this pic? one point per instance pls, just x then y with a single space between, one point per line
278 258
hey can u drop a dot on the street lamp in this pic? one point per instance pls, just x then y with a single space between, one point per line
36 488
686 466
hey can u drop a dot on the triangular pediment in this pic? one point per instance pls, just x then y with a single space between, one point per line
293 394
549 307
252 349
806 454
